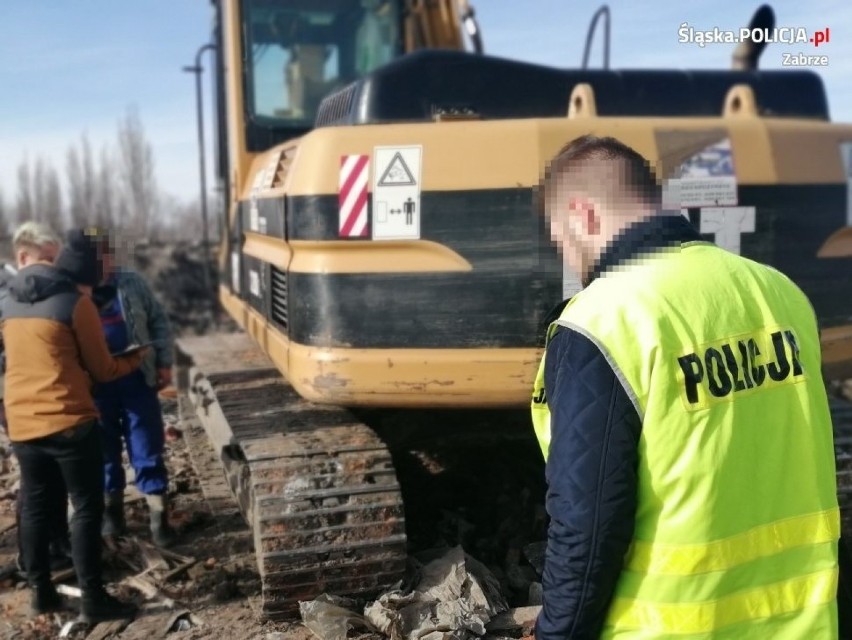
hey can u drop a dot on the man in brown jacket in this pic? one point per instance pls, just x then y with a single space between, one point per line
55 350
37 242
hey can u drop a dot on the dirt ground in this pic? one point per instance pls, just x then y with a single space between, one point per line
459 492
221 590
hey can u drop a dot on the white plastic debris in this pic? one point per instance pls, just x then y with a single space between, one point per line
454 598
331 617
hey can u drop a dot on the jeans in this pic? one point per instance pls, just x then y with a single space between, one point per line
76 454
58 514
131 416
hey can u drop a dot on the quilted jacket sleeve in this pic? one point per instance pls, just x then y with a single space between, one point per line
591 495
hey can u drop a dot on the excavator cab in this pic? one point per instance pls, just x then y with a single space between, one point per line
298 52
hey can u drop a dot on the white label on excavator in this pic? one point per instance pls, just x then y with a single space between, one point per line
706 179
254 283
235 271
253 216
269 172
846 154
253 212
727 224
396 193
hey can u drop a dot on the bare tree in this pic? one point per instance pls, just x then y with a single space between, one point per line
38 189
24 207
106 204
82 183
4 216
52 212
45 194
138 182
179 220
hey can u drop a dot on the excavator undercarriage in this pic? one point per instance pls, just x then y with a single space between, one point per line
317 487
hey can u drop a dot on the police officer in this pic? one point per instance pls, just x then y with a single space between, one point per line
681 410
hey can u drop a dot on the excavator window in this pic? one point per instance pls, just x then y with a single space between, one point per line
299 51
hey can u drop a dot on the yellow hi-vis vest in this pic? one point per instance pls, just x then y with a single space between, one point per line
737 520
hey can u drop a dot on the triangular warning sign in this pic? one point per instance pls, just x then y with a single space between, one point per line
397 174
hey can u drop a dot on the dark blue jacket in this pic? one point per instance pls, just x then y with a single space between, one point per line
591 468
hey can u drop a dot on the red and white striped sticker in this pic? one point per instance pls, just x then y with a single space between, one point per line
354 175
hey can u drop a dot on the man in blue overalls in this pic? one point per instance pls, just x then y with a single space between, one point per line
129 407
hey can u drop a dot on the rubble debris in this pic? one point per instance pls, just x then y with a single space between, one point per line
182 621
534 552
521 619
453 598
72 628
331 617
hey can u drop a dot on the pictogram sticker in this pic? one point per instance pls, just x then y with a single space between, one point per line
397 173
396 193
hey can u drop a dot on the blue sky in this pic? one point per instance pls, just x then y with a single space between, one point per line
69 67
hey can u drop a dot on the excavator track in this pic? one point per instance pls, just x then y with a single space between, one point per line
317 487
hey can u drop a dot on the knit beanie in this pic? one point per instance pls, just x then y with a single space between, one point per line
79 258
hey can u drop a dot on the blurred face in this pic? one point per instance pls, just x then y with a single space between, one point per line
31 254
107 265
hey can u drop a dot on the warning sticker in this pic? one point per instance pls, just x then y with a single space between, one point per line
396 193
706 179
397 173
353 197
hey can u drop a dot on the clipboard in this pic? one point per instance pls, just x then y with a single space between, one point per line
132 348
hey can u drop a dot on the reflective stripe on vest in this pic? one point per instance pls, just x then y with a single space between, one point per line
737 520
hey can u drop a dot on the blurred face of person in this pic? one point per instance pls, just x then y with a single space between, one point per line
28 255
107 265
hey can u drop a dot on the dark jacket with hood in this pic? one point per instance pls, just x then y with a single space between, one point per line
55 350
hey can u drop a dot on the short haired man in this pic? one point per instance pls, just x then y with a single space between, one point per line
682 412
36 242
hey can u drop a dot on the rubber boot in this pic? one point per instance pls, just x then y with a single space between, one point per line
113 524
161 533
98 606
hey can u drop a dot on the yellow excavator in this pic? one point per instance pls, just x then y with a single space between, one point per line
382 245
